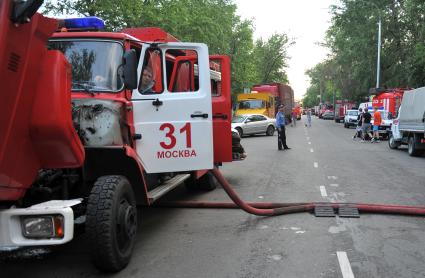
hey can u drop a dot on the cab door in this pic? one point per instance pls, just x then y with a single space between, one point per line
221 107
175 127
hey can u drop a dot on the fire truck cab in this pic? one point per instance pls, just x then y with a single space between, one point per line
99 122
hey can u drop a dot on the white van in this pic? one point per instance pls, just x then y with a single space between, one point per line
409 127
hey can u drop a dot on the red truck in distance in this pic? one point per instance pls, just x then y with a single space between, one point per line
283 95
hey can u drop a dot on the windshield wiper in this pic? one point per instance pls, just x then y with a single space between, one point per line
85 86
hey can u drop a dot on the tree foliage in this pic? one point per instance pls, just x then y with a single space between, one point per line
352 39
213 22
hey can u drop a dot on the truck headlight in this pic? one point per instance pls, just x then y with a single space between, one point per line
43 226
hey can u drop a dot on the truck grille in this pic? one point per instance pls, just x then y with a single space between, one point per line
14 60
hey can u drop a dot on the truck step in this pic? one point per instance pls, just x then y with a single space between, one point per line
166 187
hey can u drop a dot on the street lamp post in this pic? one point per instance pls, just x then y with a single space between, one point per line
378 58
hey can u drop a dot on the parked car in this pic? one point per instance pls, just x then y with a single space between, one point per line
350 118
254 124
328 115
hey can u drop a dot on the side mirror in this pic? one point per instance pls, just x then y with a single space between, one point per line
130 69
24 10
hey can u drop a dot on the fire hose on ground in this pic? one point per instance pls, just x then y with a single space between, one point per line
273 209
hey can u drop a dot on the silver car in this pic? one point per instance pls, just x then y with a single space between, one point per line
254 124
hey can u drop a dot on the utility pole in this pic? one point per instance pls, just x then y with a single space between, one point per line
378 58
378 62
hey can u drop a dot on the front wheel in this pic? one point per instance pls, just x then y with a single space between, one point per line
239 131
270 130
111 223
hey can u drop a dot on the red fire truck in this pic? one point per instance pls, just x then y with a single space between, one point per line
389 99
99 122
283 95
340 107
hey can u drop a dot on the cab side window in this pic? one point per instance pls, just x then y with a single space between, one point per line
184 76
150 81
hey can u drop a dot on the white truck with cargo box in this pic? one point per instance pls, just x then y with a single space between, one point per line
409 127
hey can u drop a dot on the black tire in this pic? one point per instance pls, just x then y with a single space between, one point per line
270 130
239 131
205 183
392 143
111 223
412 148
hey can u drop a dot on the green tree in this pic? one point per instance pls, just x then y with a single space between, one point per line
271 58
213 22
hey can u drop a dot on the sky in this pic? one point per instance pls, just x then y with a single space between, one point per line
305 21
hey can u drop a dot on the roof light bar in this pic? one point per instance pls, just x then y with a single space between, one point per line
85 22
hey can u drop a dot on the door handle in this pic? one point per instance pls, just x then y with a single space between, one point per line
220 116
204 115
157 102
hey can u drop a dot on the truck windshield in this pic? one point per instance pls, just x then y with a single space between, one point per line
94 64
353 113
251 104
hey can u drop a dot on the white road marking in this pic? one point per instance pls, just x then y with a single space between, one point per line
311 150
344 264
323 191
316 165
309 143
332 177
334 184
276 257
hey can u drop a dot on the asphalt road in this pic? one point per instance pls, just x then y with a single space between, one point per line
324 164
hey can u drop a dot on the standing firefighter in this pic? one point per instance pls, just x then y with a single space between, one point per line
280 124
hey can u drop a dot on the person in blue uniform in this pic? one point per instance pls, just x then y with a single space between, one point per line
280 125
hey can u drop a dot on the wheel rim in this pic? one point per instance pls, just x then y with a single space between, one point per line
410 146
392 141
270 130
126 225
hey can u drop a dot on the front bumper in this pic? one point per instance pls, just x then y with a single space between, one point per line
383 129
11 231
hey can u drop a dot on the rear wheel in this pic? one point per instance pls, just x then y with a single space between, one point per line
392 143
205 183
413 147
111 223
270 130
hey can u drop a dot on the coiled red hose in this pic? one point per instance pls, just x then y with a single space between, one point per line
272 209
